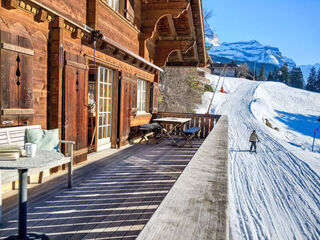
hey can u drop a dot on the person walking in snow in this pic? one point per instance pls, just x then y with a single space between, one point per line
253 140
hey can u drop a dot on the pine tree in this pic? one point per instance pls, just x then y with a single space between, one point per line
262 76
284 77
275 74
318 81
296 78
312 80
270 76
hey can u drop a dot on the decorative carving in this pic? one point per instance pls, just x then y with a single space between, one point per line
41 16
77 33
10 4
165 48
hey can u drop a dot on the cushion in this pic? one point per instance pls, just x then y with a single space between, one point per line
45 139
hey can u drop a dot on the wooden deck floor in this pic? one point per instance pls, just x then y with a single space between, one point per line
113 198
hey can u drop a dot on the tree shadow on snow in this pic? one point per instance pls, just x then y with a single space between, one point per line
304 124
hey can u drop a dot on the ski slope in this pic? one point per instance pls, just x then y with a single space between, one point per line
274 194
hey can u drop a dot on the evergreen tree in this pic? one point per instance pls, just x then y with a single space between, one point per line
296 78
312 80
275 74
262 75
270 76
284 77
255 75
318 81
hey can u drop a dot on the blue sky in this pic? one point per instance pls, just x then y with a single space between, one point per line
291 25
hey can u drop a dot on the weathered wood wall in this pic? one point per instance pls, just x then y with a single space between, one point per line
18 29
55 91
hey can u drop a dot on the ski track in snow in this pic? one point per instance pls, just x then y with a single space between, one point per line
272 194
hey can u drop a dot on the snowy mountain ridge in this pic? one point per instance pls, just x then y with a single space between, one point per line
250 51
273 194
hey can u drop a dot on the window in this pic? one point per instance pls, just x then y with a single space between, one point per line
142 96
114 4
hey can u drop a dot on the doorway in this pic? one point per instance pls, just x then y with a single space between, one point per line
100 100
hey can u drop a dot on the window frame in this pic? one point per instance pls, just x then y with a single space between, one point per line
114 4
142 106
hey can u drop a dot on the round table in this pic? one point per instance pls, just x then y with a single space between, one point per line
22 164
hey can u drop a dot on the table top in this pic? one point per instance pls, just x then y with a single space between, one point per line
41 159
172 120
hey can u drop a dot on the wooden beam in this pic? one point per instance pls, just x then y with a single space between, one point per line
76 65
17 111
180 55
172 27
55 75
92 6
15 48
165 48
152 12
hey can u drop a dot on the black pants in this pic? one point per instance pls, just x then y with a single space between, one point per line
253 145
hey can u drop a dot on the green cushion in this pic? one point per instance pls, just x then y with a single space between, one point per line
45 139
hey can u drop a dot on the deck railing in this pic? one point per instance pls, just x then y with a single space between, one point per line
205 121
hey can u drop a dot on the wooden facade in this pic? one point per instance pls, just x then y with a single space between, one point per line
57 56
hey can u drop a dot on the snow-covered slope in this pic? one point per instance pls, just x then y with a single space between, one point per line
251 51
274 194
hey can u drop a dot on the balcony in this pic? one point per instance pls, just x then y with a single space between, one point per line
138 190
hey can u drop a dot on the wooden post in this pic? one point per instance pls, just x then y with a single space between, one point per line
55 75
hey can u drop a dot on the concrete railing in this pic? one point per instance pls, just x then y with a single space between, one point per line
197 205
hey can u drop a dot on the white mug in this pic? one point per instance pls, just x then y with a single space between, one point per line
31 149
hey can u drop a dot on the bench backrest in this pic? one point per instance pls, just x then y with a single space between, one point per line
15 135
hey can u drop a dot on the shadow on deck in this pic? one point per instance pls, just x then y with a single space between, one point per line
112 198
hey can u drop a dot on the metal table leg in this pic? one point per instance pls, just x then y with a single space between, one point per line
23 200
23 175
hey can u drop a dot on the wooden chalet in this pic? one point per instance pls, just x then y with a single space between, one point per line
228 69
91 67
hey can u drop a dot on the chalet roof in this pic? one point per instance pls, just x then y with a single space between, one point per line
185 30
222 65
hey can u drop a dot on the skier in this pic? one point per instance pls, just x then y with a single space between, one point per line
253 140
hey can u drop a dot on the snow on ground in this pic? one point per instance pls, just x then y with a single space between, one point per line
274 194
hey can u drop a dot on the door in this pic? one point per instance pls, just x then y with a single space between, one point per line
104 108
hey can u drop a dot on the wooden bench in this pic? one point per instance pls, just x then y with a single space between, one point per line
190 133
16 136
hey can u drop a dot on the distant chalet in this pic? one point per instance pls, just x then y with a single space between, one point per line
230 69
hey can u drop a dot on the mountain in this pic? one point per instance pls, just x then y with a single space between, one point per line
251 52
306 69
279 184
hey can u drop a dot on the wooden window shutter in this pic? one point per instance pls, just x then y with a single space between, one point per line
134 95
155 95
16 87
151 97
